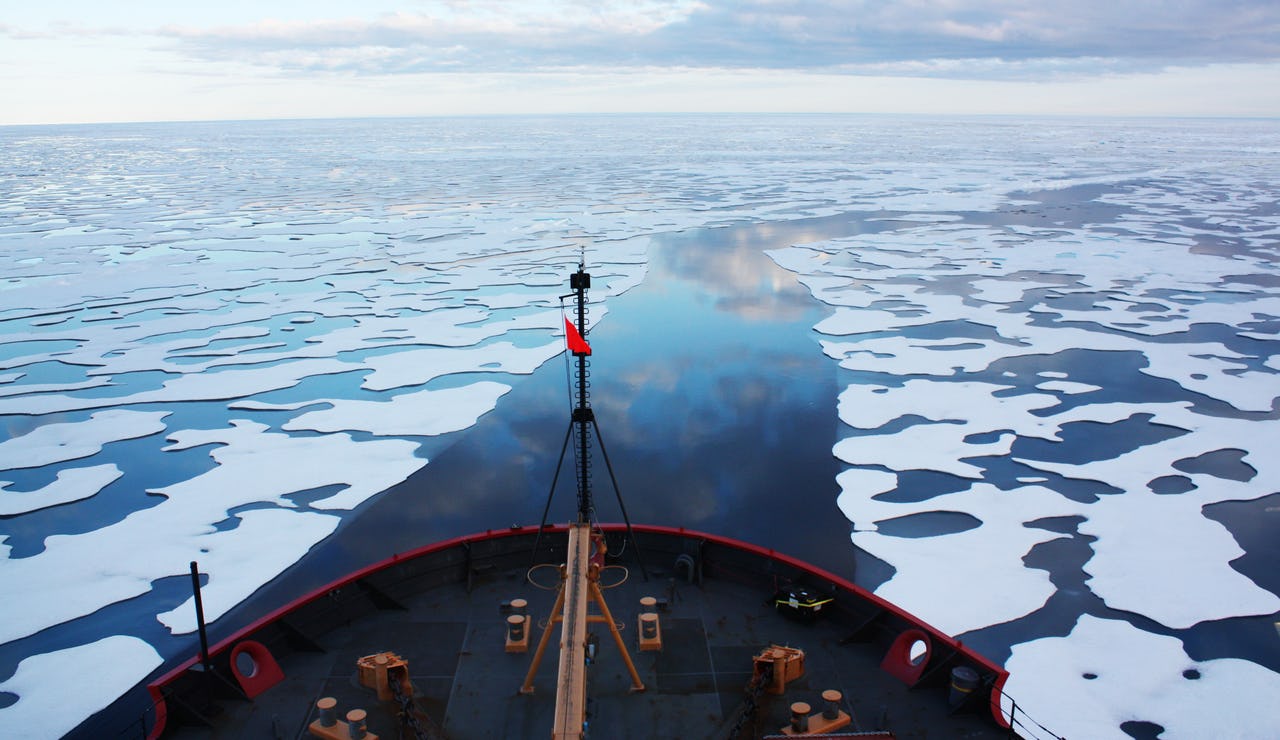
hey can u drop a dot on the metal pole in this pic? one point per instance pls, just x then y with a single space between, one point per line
618 492
204 636
527 686
547 508
598 597
582 414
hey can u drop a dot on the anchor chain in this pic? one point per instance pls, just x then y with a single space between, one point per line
754 688
410 715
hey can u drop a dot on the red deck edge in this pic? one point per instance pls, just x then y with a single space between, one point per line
157 695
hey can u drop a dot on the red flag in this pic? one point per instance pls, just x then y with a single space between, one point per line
577 344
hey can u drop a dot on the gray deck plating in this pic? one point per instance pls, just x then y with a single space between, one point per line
467 684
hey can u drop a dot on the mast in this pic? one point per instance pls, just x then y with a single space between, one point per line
580 574
583 416
582 422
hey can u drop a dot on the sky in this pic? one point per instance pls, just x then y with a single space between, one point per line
82 61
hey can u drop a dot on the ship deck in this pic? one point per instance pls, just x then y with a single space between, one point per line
448 621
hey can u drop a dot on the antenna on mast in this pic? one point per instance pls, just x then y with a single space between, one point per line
586 550
582 420
580 282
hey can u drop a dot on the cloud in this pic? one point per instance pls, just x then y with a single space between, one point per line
975 39
62 29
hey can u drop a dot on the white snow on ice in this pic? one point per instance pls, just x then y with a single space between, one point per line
1068 387
237 559
253 466
426 413
1107 672
55 443
414 367
71 484
89 678
969 572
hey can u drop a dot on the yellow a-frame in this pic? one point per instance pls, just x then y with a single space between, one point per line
579 585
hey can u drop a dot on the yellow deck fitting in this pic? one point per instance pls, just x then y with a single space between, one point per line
328 727
787 664
517 634
373 673
831 718
650 633
799 720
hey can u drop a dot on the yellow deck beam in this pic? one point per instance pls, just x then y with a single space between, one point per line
579 586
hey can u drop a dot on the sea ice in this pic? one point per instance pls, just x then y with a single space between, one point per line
900 451
974 404
270 465
18 389
145 346
254 467
413 367
862 484
72 484
904 356
425 413
213 386
60 442
1068 387
1107 672
1149 570
966 580
1006 290
236 559
89 677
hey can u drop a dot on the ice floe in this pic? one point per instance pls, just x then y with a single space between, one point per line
88 678
1108 672
975 577
1136 569
975 405
1145 569
72 484
427 412
213 386
1068 387
900 451
68 578
258 465
236 560
413 367
60 442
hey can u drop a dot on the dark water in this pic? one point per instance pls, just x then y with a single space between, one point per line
715 404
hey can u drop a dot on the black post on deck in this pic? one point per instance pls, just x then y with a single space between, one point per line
204 635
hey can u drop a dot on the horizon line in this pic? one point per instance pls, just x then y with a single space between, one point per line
655 113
